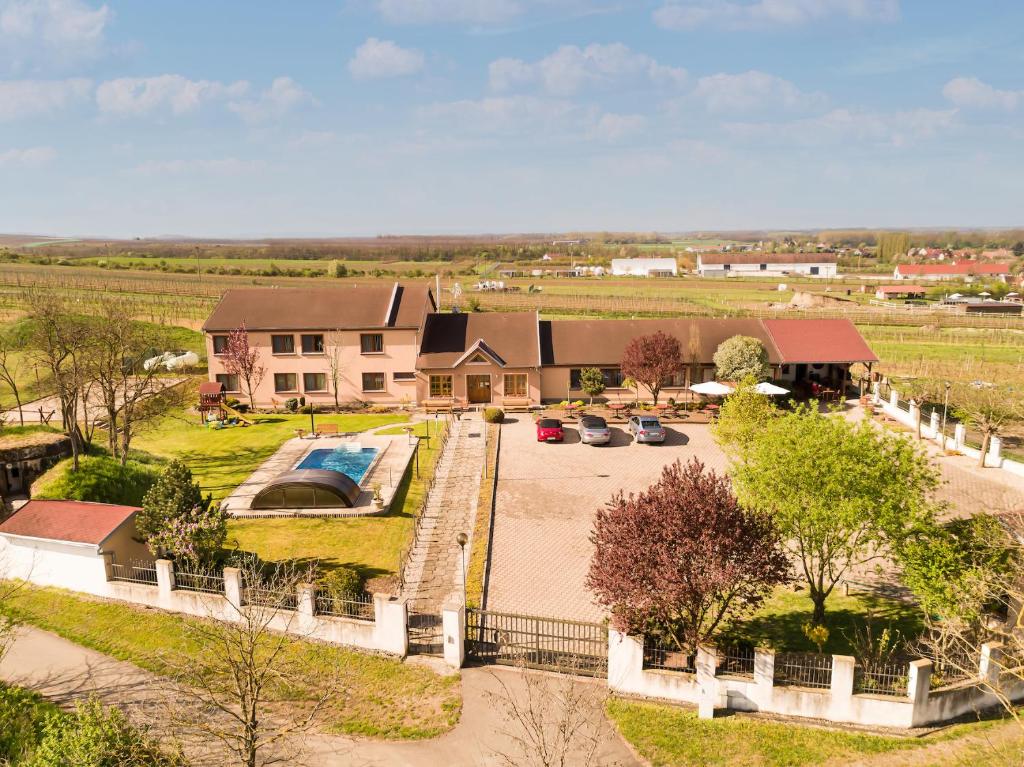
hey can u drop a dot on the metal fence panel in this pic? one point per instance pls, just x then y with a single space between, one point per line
803 669
134 572
359 606
205 582
889 679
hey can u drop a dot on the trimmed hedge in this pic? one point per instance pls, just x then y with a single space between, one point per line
494 415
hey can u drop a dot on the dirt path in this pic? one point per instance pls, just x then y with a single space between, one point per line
65 672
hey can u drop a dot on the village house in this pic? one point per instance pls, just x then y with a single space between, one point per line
967 271
766 264
417 355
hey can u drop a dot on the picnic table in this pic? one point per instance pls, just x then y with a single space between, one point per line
619 408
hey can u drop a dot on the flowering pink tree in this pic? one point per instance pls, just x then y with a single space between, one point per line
652 360
242 360
683 557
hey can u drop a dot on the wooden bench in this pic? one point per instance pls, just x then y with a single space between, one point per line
326 428
511 404
439 405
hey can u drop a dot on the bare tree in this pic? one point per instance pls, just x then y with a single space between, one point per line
58 341
11 366
248 675
989 409
554 720
242 360
334 348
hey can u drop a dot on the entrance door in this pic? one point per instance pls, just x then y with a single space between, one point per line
478 389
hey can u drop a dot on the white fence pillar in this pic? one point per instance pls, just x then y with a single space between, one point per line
894 398
933 424
915 415
233 590
390 629
919 683
453 621
710 696
995 452
875 392
164 576
989 664
625 661
959 436
841 703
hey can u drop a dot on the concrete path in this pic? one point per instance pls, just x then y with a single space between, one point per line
65 672
434 573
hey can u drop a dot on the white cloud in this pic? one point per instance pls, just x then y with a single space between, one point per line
384 58
43 31
229 166
32 157
689 14
30 98
451 11
502 114
753 90
845 126
134 96
283 96
571 68
972 92
613 127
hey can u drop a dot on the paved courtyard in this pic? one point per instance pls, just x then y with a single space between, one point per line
547 497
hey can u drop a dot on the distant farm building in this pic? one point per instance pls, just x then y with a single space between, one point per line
766 264
959 270
644 267
886 292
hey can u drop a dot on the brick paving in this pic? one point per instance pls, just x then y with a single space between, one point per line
547 497
434 572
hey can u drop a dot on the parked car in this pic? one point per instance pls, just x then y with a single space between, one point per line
549 430
646 428
594 430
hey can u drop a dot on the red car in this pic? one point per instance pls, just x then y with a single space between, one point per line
549 430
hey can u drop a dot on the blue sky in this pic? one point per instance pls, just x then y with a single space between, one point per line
356 117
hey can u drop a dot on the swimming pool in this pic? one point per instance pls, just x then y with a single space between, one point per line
354 463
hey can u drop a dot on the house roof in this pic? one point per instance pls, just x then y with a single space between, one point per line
651 263
766 258
819 341
505 337
74 521
959 267
602 342
347 307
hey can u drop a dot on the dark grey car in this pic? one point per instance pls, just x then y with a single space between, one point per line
594 430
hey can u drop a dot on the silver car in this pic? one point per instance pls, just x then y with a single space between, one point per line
594 430
646 428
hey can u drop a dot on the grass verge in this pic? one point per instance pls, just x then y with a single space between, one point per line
477 568
384 697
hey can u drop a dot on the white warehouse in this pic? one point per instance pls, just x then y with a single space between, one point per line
644 267
766 264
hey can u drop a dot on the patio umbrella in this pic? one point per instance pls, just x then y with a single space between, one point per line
984 293
770 389
712 389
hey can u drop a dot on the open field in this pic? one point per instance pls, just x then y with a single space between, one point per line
382 697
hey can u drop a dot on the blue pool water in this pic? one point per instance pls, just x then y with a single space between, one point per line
354 464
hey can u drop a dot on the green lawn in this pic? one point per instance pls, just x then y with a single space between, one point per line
779 622
384 697
220 459
371 545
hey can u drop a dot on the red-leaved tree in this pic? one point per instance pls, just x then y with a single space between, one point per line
683 557
651 360
242 360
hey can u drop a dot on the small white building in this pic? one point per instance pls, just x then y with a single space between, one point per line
69 544
766 264
644 267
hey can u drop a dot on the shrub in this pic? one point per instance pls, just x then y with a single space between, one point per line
343 583
739 357
99 478
291 404
494 415
22 715
177 518
92 735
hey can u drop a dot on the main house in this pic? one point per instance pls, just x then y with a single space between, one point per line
766 264
390 345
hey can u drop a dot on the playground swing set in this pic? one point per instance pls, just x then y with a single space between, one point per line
214 409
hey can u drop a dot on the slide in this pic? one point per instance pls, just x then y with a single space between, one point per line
237 415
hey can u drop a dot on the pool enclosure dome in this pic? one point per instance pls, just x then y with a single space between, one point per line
308 489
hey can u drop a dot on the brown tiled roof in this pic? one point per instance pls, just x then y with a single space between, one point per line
509 336
602 342
819 341
767 258
960 267
376 305
75 521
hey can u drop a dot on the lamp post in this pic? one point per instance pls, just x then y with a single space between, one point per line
462 539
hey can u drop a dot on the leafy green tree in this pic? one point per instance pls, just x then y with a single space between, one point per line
592 382
177 518
739 357
742 417
840 492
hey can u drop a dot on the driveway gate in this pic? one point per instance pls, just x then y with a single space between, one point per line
571 647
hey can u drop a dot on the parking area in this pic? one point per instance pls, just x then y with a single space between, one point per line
547 497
